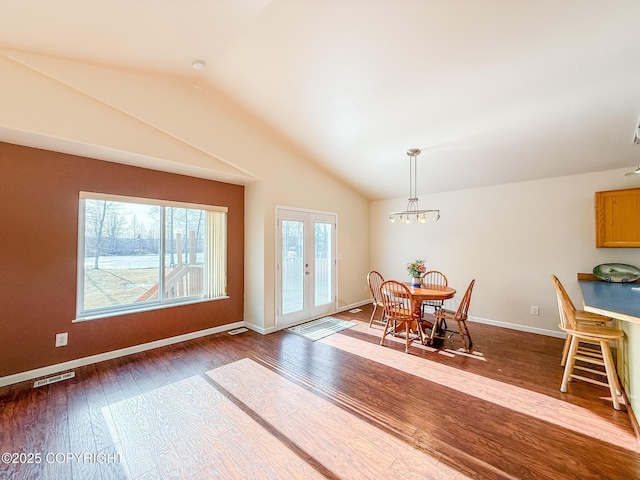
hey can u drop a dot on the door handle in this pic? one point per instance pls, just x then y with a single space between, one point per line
307 273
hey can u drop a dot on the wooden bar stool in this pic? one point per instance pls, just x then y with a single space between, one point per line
598 335
581 316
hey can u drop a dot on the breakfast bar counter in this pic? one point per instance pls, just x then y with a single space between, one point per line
615 300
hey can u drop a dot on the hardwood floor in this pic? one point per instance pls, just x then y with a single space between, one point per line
279 406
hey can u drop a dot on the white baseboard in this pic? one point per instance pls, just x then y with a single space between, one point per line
632 416
522 328
260 330
354 305
80 362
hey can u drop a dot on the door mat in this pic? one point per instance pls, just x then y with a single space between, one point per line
320 328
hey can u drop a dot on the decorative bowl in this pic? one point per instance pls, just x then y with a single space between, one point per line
617 272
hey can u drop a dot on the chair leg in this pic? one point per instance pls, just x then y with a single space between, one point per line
611 373
437 325
565 350
375 306
469 342
464 333
384 334
421 332
407 329
618 387
568 369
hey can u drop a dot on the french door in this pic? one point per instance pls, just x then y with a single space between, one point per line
306 265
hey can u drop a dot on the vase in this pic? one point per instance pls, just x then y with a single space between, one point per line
416 281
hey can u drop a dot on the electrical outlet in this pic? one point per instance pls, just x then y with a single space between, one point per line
534 310
62 339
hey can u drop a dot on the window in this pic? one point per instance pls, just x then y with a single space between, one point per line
136 254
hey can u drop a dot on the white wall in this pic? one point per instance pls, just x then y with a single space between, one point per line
170 125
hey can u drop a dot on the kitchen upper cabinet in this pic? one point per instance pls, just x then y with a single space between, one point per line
618 218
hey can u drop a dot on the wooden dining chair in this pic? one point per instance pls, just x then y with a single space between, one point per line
442 315
398 310
374 280
597 334
582 318
433 277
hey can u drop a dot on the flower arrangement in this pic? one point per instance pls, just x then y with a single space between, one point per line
416 269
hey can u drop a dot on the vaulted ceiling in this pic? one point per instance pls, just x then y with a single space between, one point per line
492 91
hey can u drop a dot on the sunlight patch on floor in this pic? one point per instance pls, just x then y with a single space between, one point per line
379 414
190 430
346 445
460 351
250 422
505 395
444 353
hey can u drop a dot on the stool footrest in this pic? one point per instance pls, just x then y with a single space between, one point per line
590 370
590 380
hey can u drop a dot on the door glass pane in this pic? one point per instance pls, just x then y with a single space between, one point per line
292 266
323 266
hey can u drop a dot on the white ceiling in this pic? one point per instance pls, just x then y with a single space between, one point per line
492 91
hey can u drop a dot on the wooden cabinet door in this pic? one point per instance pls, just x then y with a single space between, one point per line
618 218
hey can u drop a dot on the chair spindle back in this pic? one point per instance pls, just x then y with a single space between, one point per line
463 309
397 300
566 308
375 279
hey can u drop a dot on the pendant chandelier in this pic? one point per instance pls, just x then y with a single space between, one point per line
413 209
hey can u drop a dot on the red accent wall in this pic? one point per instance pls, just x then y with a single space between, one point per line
38 257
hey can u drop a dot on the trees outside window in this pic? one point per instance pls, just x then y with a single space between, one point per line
136 253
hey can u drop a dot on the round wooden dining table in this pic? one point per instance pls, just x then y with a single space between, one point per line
430 292
427 292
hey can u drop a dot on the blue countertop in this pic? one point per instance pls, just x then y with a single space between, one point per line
617 300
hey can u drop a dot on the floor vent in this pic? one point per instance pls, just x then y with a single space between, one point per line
238 330
54 379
